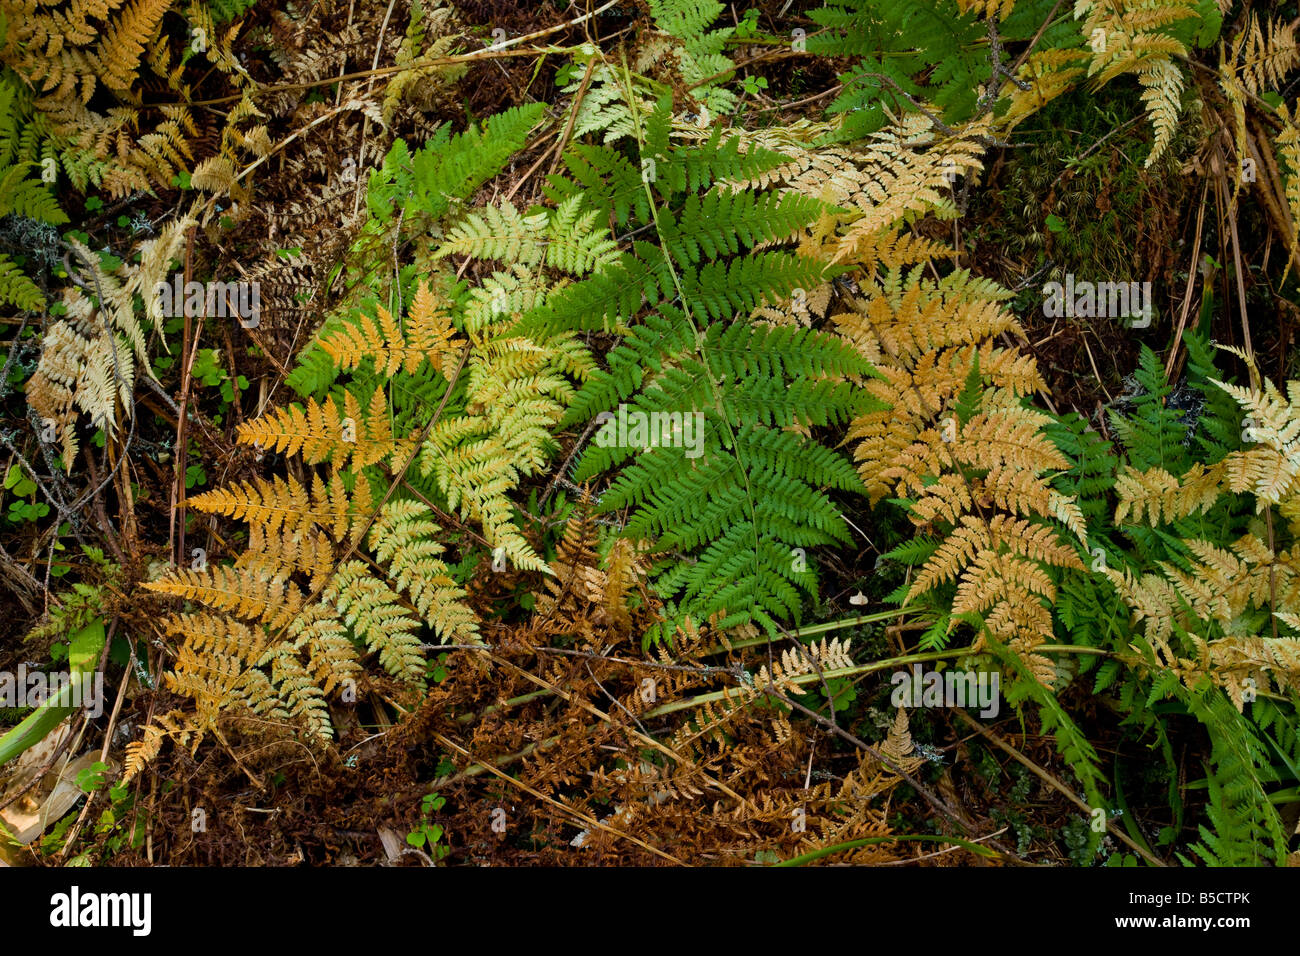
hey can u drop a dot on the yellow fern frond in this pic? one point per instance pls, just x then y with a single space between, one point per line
429 334
319 433
331 657
375 612
1010 437
1157 496
1265 59
1049 73
243 592
119 52
286 505
403 538
141 752
987 8
1162 87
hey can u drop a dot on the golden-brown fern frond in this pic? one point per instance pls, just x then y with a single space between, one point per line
248 593
320 433
297 691
1222 590
218 635
1157 496
1246 665
286 504
86 60
1269 468
988 8
139 753
285 552
429 334
625 572
1288 143
899 171
898 746
216 665
977 466
586 594
83 369
1263 55
576 580
907 181
118 53
813 659
992 577
1010 437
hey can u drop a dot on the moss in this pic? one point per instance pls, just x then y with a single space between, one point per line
1102 216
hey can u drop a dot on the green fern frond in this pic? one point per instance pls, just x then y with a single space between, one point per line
18 290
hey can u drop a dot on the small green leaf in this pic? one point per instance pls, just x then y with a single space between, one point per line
91 777
87 643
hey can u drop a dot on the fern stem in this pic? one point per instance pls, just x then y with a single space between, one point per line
811 677
812 630
521 699
1074 649
827 626
859 668
868 841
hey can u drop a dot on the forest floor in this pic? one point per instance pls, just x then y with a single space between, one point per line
529 755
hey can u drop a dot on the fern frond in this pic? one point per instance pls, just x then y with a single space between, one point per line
320 433
375 612
403 539
429 333
18 290
246 593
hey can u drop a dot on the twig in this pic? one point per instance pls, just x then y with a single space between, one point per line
487 53
590 821
1055 784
